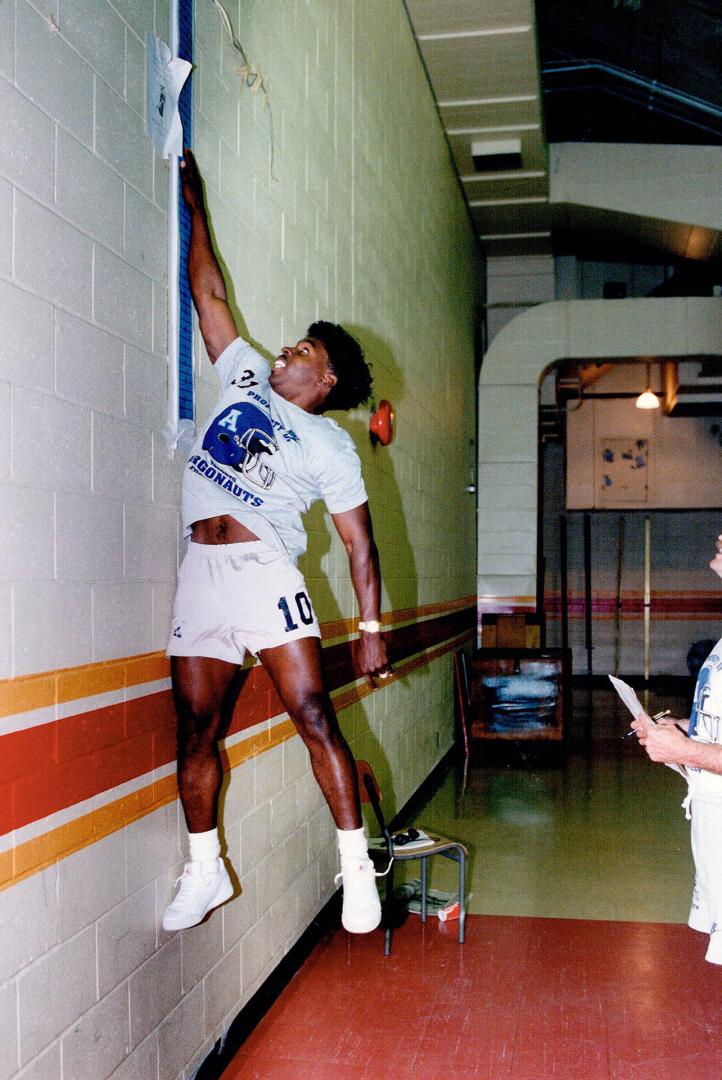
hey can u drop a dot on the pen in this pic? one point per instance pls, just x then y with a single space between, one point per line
654 719
659 715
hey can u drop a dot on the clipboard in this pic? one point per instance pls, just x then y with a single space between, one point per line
635 707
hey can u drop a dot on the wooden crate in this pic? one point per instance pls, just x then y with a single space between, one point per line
520 631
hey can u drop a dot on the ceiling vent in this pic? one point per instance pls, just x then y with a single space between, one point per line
491 155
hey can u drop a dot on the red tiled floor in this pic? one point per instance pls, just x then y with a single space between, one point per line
522 999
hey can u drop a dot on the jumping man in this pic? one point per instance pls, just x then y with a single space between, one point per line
264 456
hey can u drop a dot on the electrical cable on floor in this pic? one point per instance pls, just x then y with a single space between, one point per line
248 73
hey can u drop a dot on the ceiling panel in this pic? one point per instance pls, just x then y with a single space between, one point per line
463 68
525 245
488 113
482 60
481 57
506 187
443 17
514 218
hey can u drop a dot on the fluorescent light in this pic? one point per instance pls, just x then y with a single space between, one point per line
515 236
509 202
491 130
518 174
494 31
464 102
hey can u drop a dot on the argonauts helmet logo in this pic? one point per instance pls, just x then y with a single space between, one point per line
241 437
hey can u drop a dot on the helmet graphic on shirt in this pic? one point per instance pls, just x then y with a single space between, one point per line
241 437
705 716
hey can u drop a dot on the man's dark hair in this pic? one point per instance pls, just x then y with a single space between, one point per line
347 360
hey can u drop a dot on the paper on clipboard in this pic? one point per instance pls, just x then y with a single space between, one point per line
635 707
628 696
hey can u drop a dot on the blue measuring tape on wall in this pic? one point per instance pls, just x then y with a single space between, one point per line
185 303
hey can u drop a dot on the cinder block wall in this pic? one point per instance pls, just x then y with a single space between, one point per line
515 283
361 222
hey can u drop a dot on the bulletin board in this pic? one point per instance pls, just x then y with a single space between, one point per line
622 471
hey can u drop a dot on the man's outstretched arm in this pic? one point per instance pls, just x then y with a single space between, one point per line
354 528
208 288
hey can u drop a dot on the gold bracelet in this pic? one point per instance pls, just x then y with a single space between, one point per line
371 626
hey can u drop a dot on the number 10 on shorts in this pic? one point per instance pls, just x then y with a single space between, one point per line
303 606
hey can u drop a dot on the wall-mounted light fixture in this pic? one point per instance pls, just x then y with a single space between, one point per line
648 399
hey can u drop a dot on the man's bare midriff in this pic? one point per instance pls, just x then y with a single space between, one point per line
220 530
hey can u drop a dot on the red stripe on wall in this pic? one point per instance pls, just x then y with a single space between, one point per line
53 766
703 606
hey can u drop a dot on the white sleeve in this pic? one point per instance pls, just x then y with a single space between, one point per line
340 479
237 357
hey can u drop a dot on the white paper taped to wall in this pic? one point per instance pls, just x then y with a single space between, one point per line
166 76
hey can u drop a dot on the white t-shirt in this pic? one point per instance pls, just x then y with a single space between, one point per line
263 460
705 723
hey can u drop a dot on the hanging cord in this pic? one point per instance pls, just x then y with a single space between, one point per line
248 73
377 873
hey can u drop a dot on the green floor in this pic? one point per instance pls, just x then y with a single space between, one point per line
597 835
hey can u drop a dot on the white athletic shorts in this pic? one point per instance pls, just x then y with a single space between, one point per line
238 598
706 911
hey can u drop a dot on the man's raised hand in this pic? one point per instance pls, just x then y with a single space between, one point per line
191 183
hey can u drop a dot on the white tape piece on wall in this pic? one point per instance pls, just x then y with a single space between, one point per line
166 76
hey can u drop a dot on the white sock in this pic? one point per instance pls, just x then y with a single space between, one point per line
352 843
204 846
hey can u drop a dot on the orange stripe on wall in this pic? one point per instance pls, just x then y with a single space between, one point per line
70 684
28 692
45 768
35 855
49 767
412 613
505 605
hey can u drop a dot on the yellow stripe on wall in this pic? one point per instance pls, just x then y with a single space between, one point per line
28 692
37 854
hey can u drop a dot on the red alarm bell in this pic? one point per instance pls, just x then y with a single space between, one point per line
382 423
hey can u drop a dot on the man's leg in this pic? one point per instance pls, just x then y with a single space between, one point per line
203 690
297 674
707 851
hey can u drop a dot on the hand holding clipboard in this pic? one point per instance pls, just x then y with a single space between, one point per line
637 710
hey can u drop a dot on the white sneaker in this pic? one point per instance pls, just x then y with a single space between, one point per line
361 905
201 889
